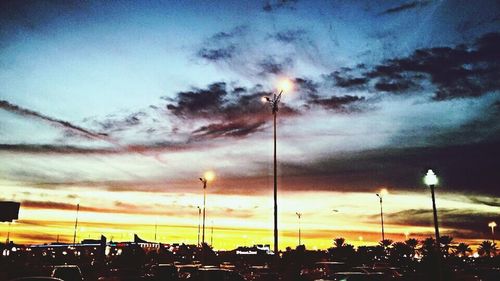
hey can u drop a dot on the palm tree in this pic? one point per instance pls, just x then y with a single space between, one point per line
428 246
341 250
462 249
339 242
445 241
487 248
401 250
386 243
412 243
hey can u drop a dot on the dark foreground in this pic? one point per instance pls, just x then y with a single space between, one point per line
182 262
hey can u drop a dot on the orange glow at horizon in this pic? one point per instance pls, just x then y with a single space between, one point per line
238 219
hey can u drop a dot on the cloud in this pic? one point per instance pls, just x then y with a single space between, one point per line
224 53
345 80
469 222
271 65
290 36
233 112
493 202
405 7
469 168
345 104
230 129
310 92
457 72
273 5
5 105
222 46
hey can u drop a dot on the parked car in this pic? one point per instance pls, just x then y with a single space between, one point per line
67 272
215 274
163 272
122 274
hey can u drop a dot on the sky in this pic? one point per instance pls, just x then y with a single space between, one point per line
120 106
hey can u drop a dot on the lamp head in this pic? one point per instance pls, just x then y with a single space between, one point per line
209 176
492 224
383 192
285 85
430 178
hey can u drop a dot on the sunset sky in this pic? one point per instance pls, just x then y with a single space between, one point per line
122 105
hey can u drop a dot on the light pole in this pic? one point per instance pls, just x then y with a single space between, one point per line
274 102
493 225
199 224
212 235
8 235
299 215
380 195
208 176
76 223
431 180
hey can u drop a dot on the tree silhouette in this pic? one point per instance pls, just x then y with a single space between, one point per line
428 246
445 242
412 243
487 248
386 243
462 249
341 250
339 242
401 250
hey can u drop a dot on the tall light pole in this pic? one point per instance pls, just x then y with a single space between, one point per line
76 223
299 215
274 102
208 176
431 181
492 225
8 235
380 195
212 235
199 224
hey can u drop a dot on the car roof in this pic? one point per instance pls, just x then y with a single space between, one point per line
38 278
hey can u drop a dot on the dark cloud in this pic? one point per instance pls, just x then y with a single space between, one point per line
204 103
232 112
216 54
222 46
468 168
309 91
230 129
344 104
271 65
290 36
470 223
272 5
345 80
5 105
307 88
493 202
407 6
46 148
394 86
455 72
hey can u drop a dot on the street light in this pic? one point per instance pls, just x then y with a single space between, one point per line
493 225
431 181
199 224
76 223
299 215
207 177
380 195
284 85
